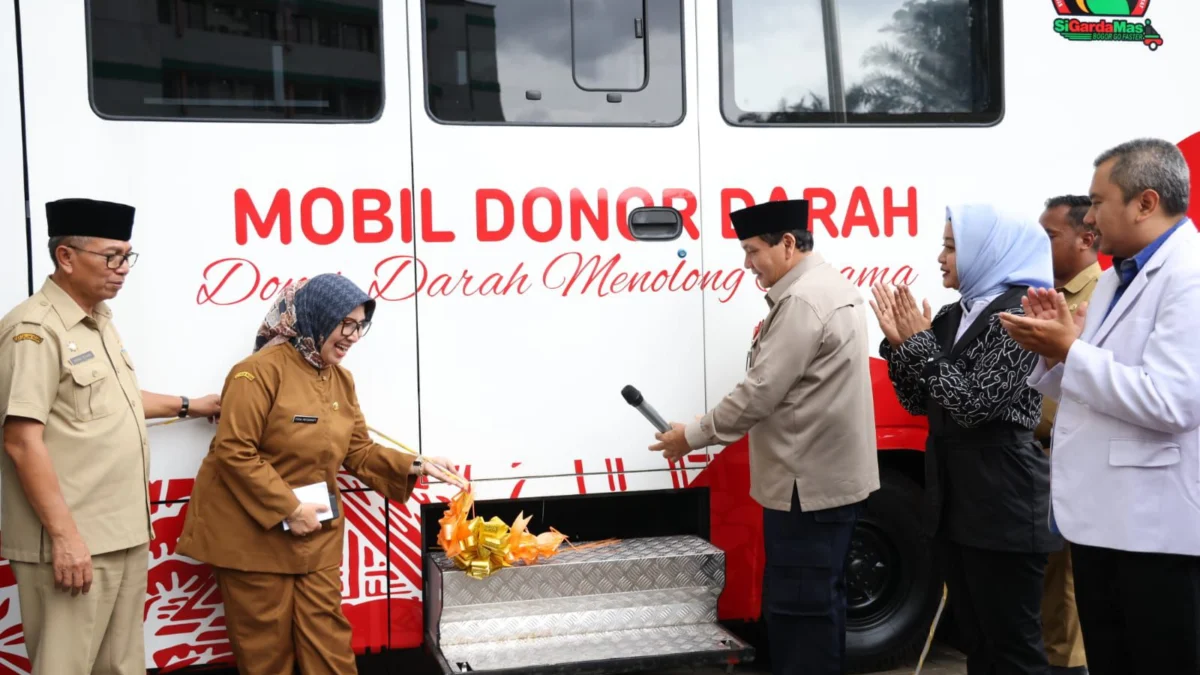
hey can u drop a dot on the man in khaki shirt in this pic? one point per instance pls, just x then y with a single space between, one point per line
1076 271
806 403
74 474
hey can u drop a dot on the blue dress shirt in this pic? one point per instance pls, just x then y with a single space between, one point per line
1129 268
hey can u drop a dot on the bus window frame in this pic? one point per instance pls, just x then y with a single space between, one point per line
683 86
953 120
381 48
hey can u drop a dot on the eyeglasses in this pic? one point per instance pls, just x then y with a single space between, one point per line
350 325
113 260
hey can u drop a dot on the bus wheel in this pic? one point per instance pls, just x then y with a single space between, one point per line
892 589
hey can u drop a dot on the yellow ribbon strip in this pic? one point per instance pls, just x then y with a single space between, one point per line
391 440
410 451
382 435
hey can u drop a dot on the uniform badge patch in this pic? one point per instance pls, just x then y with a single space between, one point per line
86 356
36 339
244 375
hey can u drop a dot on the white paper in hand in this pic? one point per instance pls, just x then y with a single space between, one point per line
317 493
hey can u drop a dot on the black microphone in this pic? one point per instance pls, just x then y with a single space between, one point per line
634 398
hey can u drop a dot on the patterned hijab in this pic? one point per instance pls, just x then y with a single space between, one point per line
305 313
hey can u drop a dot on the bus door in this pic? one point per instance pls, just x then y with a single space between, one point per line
539 127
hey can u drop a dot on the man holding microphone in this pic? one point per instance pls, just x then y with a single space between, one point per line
806 403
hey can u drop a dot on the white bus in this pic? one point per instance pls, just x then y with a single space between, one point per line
473 163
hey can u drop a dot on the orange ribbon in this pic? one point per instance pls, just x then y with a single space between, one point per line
481 547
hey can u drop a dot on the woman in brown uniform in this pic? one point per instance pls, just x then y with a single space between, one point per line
290 418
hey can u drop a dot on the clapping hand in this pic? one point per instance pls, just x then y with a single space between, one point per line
899 316
910 318
1048 328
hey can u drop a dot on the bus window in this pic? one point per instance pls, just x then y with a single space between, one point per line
869 62
608 45
235 60
554 62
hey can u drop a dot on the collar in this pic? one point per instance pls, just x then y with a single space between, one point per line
69 310
980 302
296 357
1089 274
810 262
1128 268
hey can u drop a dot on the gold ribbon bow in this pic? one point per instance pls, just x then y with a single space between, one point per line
481 547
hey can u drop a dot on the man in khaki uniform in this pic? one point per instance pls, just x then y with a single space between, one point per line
806 403
74 499
1076 271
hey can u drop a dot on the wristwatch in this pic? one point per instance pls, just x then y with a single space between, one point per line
419 467
183 409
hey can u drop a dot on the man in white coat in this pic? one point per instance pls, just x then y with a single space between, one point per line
1125 476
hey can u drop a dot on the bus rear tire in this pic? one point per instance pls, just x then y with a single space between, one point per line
893 587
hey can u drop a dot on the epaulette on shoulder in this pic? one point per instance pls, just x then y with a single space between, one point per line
31 311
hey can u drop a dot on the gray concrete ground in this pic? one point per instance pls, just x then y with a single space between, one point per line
941 661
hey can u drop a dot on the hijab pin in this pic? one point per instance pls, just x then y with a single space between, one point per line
335 405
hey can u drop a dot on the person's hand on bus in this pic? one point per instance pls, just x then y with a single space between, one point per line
206 406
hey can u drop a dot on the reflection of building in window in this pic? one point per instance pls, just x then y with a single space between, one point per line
554 61
898 61
236 59
460 53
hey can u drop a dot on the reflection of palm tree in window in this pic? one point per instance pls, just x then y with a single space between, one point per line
927 70
929 66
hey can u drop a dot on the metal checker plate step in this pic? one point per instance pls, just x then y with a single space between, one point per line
634 565
623 651
593 614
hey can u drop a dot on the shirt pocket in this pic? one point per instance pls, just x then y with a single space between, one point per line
94 392
1127 452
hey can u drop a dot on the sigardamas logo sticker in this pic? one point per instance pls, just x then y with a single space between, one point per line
1123 21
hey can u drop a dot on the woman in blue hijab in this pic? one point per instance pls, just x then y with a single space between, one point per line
987 480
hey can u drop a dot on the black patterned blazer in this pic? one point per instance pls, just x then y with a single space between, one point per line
987 480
